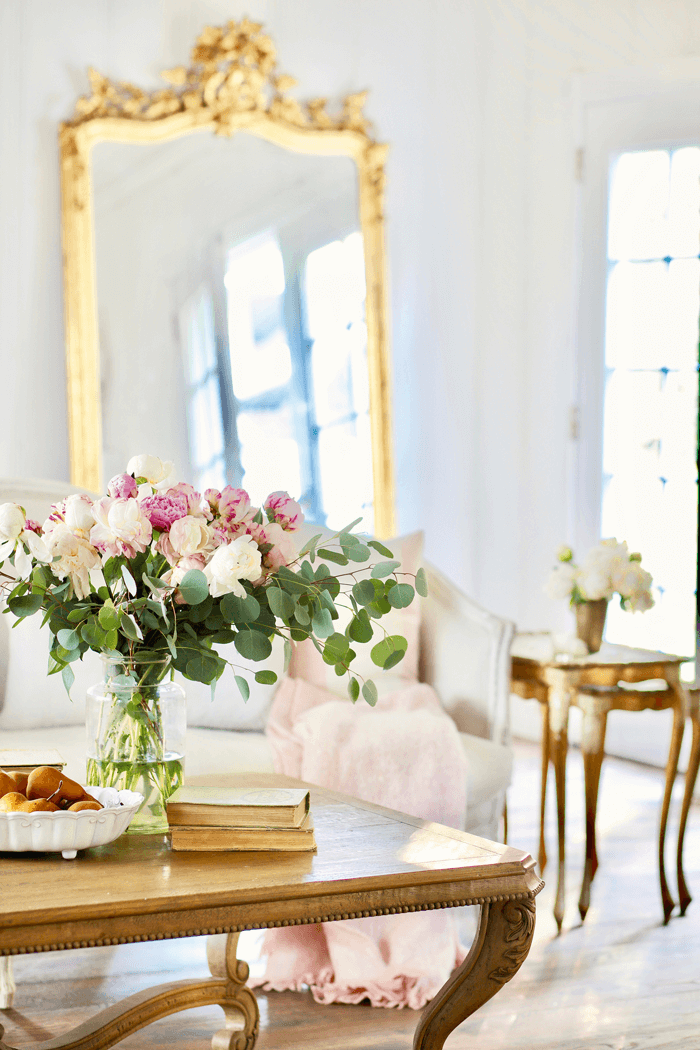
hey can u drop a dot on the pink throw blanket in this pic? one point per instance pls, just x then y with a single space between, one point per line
404 754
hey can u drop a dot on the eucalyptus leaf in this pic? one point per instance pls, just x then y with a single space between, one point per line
288 650
322 624
68 638
25 605
309 544
383 650
353 689
252 644
68 679
334 556
369 691
93 635
336 646
380 548
383 568
265 677
400 596
302 615
130 628
194 587
363 592
108 617
358 553
239 610
351 526
281 603
360 628
422 583
243 687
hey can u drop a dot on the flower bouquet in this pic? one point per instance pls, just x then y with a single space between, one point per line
154 575
607 569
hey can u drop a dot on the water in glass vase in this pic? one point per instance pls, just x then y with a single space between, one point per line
136 735
155 780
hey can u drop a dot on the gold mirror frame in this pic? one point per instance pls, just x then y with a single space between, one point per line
231 85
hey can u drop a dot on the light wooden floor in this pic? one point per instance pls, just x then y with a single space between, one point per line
620 982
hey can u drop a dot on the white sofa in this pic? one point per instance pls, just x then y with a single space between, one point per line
463 654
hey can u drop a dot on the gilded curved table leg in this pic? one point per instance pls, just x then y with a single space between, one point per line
684 897
501 945
671 770
542 855
242 1017
7 983
595 716
225 989
560 690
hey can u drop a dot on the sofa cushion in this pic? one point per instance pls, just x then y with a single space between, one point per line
308 664
31 697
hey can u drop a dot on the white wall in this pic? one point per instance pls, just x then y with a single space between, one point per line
475 98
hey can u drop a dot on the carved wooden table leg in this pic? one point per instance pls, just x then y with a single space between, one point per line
542 855
501 945
7 983
684 897
560 689
679 709
242 1015
225 989
595 716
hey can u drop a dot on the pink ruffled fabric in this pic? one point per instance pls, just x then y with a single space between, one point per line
405 754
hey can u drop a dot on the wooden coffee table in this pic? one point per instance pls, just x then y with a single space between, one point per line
370 861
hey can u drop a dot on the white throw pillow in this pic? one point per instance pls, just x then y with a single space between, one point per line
32 697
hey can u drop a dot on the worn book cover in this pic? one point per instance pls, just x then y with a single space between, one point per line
283 840
278 807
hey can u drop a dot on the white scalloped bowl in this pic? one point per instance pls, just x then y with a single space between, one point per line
65 832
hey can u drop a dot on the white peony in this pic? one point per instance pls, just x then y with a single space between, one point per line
12 521
562 580
15 537
190 535
76 558
120 527
595 583
156 471
238 560
75 511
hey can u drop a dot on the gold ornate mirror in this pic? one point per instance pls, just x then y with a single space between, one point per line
225 295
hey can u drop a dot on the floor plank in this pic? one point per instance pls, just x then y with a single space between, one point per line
621 981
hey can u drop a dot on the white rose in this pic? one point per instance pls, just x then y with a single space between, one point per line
238 560
190 535
561 581
76 558
154 470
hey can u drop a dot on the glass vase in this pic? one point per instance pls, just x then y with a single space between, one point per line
590 622
136 725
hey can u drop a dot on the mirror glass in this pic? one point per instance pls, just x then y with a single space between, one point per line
231 313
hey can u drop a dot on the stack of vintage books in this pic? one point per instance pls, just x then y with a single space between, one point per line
210 818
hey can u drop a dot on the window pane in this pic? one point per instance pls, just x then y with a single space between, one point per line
260 356
335 286
684 204
638 217
205 428
269 453
346 473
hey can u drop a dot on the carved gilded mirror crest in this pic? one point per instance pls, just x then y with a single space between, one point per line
232 86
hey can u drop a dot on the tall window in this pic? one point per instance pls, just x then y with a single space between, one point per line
650 478
292 376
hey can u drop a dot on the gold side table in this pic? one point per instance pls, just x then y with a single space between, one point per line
597 684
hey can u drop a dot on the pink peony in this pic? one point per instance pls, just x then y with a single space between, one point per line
163 509
32 526
121 527
234 505
282 549
122 486
284 510
192 498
